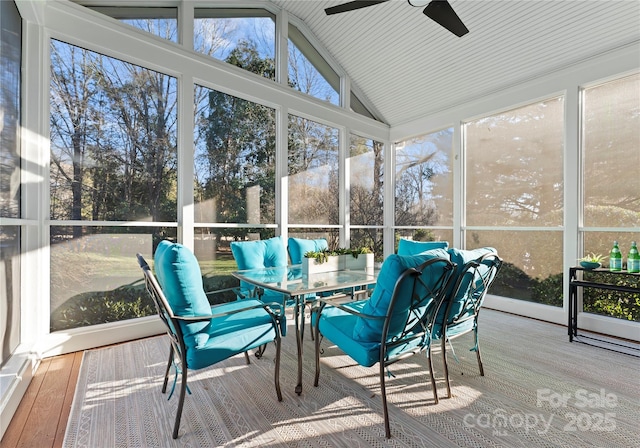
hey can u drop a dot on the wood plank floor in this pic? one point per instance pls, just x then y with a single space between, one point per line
41 418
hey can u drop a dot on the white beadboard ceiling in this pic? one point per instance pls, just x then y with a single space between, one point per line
409 67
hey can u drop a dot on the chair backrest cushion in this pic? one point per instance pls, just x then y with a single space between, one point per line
179 275
300 246
260 253
410 247
370 330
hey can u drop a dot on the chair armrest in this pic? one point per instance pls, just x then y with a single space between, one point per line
236 290
327 302
273 308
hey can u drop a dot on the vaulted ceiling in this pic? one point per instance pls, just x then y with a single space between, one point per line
408 66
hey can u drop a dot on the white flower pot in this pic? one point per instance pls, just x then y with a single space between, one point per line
337 263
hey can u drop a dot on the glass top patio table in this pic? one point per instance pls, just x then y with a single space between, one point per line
290 281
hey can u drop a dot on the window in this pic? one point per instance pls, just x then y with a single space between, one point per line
365 165
10 176
162 22
234 160
234 179
514 186
611 132
424 187
241 37
313 172
610 181
113 158
309 72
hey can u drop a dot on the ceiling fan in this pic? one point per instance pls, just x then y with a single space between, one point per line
438 10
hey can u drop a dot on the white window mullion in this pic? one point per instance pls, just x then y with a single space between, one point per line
282 178
185 161
344 187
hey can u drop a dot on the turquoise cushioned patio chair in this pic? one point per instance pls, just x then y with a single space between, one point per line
297 247
202 335
475 272
259 254
395 323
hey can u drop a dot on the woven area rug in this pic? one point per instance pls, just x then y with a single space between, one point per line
539 390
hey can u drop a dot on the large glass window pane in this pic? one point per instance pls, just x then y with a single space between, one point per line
611 186
309 72
371 238
313 172
514 178
424 180
365 166
10 324
514 166
611 151
10 64
113 139
162 22
10 177
95 278
213 251
366 177
532 268
234 160
241 37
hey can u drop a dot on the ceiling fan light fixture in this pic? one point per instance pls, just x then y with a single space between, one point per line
418 3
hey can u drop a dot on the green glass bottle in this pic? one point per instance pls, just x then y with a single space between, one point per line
615 258
633 260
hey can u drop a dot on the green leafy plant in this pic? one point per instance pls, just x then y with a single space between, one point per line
323 255
593 258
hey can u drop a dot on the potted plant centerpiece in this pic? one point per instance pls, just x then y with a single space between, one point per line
339 259
592 261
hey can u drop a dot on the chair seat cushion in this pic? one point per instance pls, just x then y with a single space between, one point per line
368 330
231 334
335 325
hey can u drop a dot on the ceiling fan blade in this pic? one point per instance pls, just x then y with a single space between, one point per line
441 12
351 6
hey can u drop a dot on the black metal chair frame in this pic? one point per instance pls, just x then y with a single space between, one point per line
416 327
474 296
178 348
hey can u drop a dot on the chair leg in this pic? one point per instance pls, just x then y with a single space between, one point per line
477 348
316 332
433 377
183 389
445 365
246 356
166 373
311 320
383 393
278 342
